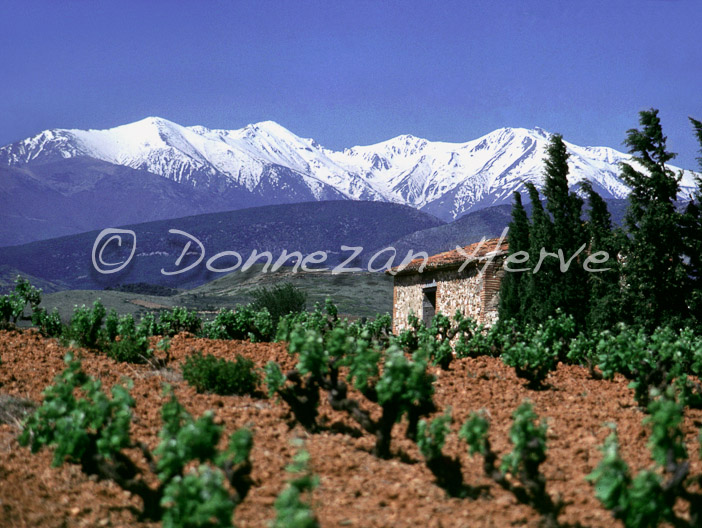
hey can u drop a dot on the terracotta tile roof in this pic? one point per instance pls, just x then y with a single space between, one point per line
454 259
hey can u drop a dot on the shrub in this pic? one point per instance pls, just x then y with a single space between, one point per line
482 343
404 387
179 319
464 330
652 361
531 361
291 511
320 319
48 324
581 351
521 465
12 306
432 435
528 435
649 498
378 329
130 349
280 300
244 323
197 500
82 429
85 327
111 325
409 338
445 336
209 374
273 378
430 440
302 391
28 293
91 428
435 342
536 351
126 342
325 318
148 326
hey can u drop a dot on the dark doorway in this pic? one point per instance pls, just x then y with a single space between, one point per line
429 305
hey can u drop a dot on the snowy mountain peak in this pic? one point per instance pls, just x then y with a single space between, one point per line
270 127
153 121
266 163
144 127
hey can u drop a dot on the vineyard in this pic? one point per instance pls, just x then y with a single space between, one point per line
309 420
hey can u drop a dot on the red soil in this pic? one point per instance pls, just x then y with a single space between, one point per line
355 489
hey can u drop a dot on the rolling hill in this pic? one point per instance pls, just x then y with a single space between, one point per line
305 228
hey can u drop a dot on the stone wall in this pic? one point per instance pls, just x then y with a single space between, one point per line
407 298
475 294
490 294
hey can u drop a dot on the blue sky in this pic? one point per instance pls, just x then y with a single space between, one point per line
350 73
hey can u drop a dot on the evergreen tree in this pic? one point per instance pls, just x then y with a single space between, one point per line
512 288
697 126
548 287
603 287
537 302
569 288
653 270
692 238
556 186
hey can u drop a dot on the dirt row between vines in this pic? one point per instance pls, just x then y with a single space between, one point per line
355 489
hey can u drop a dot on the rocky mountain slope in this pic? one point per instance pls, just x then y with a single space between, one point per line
264 164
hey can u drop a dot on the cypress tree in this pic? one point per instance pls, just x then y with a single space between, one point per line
556 185
599 225
537 302
697 127
603 287
569 288
561 229
512 288
653 270
692 239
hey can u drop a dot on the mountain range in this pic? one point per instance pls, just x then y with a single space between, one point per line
65 262
69 181
68 262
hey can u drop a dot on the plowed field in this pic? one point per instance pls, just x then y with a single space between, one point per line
356 489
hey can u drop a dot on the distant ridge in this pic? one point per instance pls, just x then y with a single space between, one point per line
305 227
489 223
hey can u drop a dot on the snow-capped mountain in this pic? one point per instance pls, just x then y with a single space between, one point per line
265 163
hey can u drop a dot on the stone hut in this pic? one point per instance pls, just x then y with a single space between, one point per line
445 283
